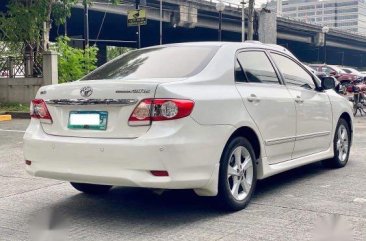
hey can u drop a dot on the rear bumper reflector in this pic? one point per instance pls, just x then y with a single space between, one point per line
28 162
160 173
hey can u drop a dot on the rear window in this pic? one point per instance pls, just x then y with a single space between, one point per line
159 62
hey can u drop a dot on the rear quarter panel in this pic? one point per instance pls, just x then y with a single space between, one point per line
217 100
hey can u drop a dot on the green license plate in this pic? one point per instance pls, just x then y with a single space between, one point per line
89 120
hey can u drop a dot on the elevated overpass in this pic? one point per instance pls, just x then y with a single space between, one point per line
193 20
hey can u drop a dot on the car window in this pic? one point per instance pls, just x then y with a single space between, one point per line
293 73
239 74
337 69
257 67
347 71
158 62
327 70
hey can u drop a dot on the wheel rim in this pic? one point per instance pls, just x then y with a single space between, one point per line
240 173
342 143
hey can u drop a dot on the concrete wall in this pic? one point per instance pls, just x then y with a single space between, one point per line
23 90
19 90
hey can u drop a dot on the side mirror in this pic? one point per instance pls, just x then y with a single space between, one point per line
328 83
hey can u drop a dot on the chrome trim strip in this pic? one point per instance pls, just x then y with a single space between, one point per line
279 140
297 138
312 135
60 102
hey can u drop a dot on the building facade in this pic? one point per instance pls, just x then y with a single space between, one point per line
343 14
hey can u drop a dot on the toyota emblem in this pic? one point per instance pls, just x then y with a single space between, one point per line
86 91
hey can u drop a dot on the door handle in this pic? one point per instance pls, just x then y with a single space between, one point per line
253 98
299 100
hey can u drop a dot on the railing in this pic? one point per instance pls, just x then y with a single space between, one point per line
21 67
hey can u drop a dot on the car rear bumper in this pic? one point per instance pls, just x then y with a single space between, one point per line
188 151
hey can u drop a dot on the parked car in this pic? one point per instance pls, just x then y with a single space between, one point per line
340 74
214 117
361 86
340 89
316 72
359 83
350 70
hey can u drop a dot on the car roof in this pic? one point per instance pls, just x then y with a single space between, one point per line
238 45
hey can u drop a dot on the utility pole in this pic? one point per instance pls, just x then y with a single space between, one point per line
138 33
243 21
250 20
65 24
161 22
86 24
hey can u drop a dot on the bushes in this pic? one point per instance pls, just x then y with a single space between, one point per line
74 63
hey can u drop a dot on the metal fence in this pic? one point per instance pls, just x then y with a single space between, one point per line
20 63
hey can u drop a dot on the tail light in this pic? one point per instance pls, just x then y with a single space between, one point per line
38 110
149 110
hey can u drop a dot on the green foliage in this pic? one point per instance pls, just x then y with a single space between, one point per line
74 63
24 20
5 107
113 52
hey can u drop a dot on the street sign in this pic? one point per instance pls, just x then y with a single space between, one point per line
136 17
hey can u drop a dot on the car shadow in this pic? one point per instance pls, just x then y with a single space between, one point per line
174 208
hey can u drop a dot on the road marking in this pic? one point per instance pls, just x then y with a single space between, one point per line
360 200
12 131
5 117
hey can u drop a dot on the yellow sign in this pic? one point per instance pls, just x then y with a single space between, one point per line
136 17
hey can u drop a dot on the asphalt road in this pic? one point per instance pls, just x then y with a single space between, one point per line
309 203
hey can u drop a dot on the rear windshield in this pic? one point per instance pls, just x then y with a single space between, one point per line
159 62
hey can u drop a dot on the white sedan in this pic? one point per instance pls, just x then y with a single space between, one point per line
212 117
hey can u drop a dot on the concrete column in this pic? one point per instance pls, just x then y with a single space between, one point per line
50 68
267 29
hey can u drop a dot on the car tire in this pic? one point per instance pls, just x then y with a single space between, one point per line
93 189
341 145
238 174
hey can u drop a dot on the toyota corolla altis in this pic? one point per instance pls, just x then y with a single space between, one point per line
212 117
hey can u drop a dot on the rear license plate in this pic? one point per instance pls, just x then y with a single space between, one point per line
90 120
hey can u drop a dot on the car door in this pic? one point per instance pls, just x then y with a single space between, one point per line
314 113
268 102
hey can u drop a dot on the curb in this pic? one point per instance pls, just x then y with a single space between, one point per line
5 117
19 115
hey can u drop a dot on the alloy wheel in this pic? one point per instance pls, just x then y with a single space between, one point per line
240 173
342 143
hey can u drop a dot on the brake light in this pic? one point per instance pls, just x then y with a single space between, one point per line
38 110
149 110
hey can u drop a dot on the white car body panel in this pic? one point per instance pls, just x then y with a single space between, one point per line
189 148
314 122
272 109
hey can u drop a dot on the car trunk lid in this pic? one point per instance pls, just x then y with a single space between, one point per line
111 101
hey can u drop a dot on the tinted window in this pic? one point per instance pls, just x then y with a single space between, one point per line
293 73
160 62
239 74
257 67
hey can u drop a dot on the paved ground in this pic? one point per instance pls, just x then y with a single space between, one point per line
297 205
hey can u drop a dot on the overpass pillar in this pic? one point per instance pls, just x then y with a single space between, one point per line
102 54
267 29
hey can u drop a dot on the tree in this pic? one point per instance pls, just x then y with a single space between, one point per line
113 51
74 63
29 21
25 27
